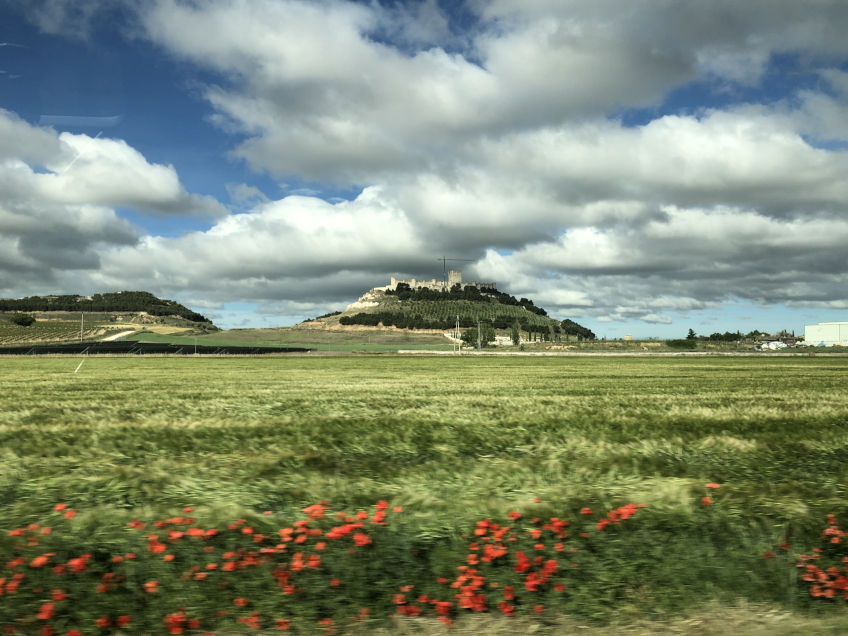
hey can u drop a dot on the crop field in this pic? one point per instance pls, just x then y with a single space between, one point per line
50 331
329 494
368 340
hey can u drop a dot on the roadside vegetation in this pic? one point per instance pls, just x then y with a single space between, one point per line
600 491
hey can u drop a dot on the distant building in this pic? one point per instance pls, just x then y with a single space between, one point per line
454 278
827 334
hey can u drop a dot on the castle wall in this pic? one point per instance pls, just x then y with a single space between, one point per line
454 278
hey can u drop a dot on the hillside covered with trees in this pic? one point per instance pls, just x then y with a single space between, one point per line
124 301
425 308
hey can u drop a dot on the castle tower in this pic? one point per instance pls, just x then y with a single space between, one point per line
454 277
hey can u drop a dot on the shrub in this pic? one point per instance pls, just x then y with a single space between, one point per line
24 320
682 344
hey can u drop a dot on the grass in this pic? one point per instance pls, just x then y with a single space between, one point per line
367 340
455 441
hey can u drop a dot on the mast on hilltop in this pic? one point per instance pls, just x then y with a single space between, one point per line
445 266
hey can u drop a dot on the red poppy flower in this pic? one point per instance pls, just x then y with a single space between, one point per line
240 601
712 486
103 622
361 539
45 613
585 511
706 501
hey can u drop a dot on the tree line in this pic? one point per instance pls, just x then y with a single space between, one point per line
736 336
470 292
131 301
549 333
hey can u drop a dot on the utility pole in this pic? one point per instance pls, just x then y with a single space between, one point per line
478 335
82 315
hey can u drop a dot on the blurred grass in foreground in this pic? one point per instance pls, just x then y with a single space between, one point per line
455 441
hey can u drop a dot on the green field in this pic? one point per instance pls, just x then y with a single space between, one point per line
370 340
454 441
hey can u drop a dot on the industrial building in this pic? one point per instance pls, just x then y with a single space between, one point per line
826 334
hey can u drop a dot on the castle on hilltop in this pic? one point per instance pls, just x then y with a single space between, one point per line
454 278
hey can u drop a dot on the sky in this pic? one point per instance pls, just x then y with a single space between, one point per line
640 166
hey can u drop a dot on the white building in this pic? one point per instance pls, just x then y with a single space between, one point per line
826 334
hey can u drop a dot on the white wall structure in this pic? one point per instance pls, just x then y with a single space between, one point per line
827 334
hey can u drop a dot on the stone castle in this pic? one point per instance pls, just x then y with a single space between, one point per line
371 297
454 278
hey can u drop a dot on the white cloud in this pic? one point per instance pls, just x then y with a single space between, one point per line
281 249
57 198
110 172
503 143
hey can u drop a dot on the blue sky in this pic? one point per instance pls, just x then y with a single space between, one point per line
639 167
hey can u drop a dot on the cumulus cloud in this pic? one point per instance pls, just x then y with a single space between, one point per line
691 259
281 249
504 140
58 194
351 107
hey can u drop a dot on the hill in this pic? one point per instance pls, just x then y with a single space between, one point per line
402 306
73 318
124 301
